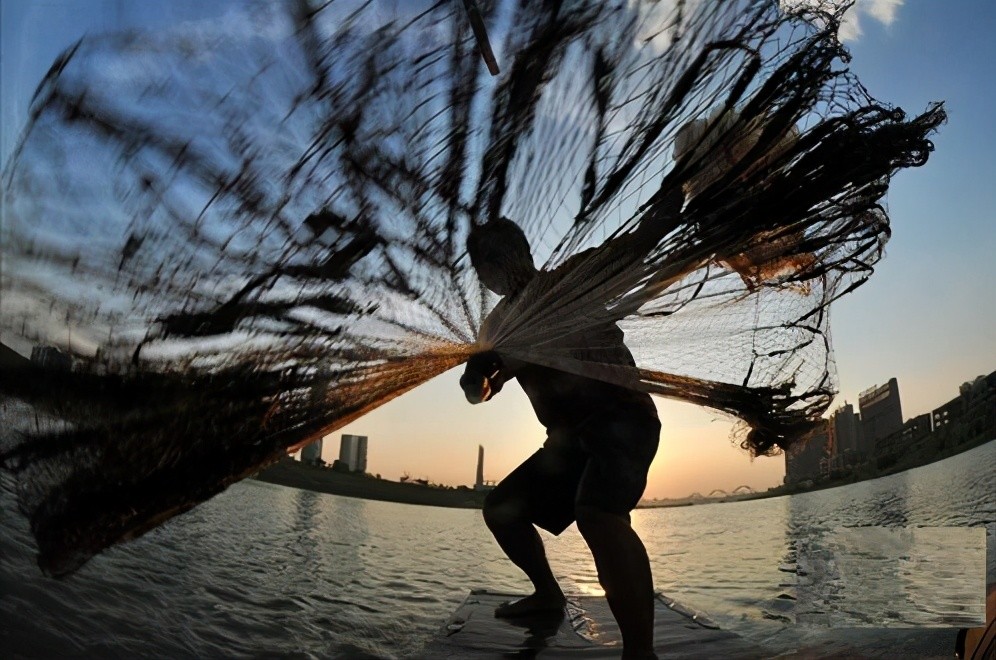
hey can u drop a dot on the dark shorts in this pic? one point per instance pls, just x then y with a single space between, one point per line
601 463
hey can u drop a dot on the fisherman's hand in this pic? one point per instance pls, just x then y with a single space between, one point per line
483 377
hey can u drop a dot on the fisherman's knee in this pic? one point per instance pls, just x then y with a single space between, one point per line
597 526
594 522
586 518
499 512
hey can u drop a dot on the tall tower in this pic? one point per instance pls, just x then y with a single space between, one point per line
480 467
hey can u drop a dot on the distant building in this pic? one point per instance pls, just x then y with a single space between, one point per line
51 357
846 436
876 440
312 453
970 395
346 458
916 429
914 436
972 388
361 454
881 414
353 453
949 413
808 458
970 417
981 408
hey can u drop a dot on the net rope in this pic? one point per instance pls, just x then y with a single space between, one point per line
256 230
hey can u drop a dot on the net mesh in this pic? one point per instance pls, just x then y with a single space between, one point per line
255 230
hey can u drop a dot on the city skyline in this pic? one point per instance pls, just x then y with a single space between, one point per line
408 404
923 317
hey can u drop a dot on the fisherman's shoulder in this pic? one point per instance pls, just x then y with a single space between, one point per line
573 262
569 268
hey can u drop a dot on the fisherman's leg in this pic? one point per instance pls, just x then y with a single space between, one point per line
624 573
519 539
540 492
620 449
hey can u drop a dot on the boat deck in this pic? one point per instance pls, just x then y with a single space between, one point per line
586 630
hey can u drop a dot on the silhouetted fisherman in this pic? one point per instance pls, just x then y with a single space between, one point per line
601 440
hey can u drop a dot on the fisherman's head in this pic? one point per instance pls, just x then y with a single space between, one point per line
500 254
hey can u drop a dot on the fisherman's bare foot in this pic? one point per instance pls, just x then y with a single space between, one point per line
532 605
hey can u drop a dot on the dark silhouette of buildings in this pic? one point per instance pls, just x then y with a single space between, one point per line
845 439
963 422
971 415
877 440
881 414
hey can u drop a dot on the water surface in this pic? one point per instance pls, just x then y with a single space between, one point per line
268 570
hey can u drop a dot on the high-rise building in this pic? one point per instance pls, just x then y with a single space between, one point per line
353 452
881 414
346 451
312 453
361 453
846 430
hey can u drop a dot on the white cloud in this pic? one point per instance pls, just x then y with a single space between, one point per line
850 26
657 17
883 11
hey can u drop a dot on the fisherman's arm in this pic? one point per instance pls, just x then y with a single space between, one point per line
487 371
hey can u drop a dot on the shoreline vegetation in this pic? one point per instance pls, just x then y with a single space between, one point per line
295 474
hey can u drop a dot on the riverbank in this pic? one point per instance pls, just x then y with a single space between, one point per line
295 474
910 462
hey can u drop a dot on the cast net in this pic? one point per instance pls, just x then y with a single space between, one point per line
254 229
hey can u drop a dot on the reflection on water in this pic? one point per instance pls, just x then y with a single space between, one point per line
268 570
865 574
738 561
892 577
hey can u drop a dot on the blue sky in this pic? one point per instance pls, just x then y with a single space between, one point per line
927 316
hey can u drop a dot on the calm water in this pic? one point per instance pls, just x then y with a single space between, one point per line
267 570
